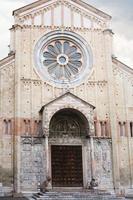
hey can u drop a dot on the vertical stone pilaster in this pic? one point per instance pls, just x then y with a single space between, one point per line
62 14
115 154
17 109
72 18
12 40
42 18
98 128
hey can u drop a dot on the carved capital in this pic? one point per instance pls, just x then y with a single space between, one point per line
45 132
92 133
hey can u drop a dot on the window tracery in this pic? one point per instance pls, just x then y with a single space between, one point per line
62 58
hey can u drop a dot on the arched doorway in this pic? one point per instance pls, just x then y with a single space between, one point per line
67 158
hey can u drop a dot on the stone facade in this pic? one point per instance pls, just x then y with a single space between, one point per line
27 102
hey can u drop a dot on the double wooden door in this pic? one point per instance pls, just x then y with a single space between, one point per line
67 166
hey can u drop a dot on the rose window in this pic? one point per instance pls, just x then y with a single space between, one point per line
62 59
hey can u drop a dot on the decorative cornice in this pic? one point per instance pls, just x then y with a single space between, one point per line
94 17
65 28
33 81
82 3
40 82
99 83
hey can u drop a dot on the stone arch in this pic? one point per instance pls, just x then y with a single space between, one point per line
49 113
67 101
68 121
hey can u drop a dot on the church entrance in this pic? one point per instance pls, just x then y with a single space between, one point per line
67 166
68 130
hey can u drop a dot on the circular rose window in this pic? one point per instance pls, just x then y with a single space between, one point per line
62 58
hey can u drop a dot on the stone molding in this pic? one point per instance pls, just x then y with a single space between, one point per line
25 26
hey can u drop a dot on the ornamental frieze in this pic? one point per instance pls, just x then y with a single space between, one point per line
39 82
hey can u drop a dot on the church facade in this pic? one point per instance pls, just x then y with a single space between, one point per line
66 104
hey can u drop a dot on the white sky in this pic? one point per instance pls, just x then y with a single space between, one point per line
122 25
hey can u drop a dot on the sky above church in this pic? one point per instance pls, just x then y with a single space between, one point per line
122 25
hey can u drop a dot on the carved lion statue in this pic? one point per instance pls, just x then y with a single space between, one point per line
46 185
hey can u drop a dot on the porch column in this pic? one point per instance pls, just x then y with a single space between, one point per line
46 135
92 158
47 155
90 136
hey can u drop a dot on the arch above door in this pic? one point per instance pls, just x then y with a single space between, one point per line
71 102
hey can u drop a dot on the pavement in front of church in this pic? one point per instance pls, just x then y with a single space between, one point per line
22 198
11 198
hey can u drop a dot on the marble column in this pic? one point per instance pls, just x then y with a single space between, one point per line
92 157
90 135
46 135
48 178
47 155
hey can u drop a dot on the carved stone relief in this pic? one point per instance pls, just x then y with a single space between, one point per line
32 163
103 163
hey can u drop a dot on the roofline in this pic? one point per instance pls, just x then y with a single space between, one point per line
28 6
82 3
126 67
87 5
7 59
63 96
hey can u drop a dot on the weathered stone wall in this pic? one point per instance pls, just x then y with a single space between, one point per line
123 79
6 168
7 100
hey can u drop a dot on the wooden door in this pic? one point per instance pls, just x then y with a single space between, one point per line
67 166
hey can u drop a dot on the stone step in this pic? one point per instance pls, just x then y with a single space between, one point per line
84 198
73 196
